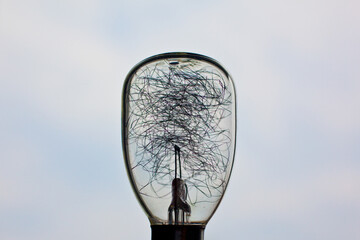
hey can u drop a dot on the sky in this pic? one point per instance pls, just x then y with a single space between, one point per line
295 66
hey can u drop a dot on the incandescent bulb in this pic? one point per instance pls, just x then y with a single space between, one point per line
178 135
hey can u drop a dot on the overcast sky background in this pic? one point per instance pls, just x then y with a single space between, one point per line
295 65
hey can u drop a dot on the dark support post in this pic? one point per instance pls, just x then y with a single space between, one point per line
177 232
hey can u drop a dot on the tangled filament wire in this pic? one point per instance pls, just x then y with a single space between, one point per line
182 105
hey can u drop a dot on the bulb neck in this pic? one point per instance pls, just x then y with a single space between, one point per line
177 232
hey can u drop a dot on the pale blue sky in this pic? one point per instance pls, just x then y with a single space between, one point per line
295 65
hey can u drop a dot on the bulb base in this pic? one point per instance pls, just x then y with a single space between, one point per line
177 232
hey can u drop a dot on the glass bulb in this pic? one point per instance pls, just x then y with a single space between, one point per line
178 134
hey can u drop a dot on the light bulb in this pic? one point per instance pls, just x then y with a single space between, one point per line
178 135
